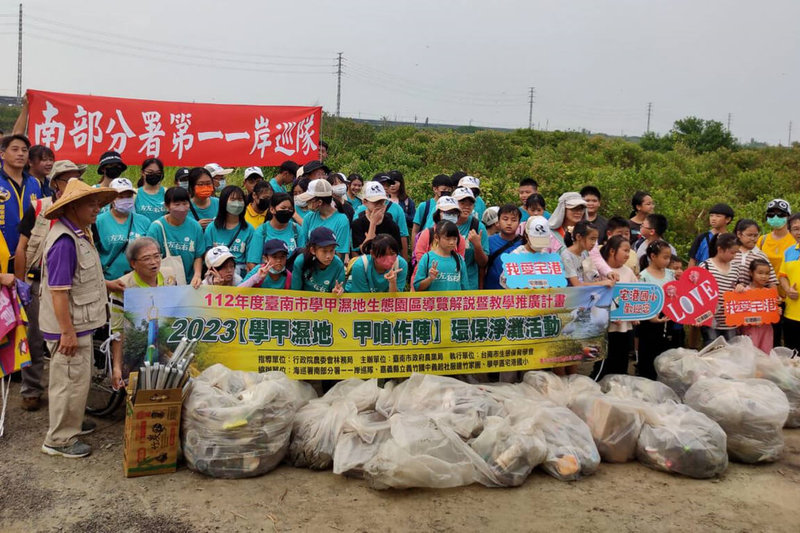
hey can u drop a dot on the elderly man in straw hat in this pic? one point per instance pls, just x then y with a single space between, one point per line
33 229
73 303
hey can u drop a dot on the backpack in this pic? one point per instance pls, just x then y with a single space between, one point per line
473 225
365 263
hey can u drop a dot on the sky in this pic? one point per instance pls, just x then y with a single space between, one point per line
595 64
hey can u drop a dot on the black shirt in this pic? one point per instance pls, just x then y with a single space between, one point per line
361 226
28 221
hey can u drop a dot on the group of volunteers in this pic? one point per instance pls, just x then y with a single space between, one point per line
305 227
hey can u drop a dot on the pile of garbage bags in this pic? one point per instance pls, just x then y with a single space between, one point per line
238 424
439 432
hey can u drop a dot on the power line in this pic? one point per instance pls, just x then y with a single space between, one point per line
61 26
173 61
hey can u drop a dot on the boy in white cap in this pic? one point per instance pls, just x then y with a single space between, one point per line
474 184
218 175
221 267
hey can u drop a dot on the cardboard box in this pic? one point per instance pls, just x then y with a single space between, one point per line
152 430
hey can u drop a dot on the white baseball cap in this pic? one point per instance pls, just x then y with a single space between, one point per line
215 170
121 185
249 171
217 256
446 203
538 231
471 182
374 191
462 193
490 217
317 189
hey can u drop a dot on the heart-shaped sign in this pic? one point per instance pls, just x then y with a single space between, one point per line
692 299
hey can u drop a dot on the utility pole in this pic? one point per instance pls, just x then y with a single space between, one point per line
531 92
649 111
19 58
339 87
729 122
790 134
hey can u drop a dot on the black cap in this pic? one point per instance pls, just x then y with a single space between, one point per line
311 166
289 166
182 174
383 178
721 209
274 246
110 158
322 236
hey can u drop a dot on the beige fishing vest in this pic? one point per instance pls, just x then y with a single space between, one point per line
35 248
88 300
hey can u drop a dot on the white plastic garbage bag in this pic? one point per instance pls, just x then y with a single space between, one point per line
751 411
773 369
557 389
675 438
637 388
237 424
615 424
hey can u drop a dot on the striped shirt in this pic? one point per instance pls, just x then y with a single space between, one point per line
726 282
744 260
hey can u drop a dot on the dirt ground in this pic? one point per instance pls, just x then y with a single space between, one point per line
42 493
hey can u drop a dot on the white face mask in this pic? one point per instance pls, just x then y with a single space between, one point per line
124 205
299 203
449 217
339 190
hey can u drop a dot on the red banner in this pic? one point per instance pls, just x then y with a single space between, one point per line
80 128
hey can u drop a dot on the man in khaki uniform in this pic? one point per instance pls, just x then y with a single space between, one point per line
73 303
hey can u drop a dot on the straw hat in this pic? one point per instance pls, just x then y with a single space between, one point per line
65 165
75 190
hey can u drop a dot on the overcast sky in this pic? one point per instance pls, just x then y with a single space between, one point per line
595 64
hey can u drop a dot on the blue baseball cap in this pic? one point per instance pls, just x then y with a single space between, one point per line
322 237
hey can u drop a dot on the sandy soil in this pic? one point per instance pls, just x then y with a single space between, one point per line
42 493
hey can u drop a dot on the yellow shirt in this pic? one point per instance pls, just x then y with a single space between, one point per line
775 248
254 218
791 270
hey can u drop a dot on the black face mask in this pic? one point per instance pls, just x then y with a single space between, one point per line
153 179
283 216
263 204
113 172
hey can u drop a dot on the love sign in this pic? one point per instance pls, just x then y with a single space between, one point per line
692 299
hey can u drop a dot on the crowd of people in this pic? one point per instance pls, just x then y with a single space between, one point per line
308 228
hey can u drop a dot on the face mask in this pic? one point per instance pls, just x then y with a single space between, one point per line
153 179
300 203
449 217
263 204
124 205
204 191
183 185
221 185
235 207
283 216
339 190
113 172
386 262
277 271
444 193
776 222
179 212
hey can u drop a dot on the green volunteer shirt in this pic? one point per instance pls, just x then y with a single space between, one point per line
364 277
239 245
428 222
450 278
268 282
113 238
206 212
186 241
469 252
150 205
318 280
292 235
337 223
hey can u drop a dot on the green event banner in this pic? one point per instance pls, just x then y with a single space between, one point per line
310 335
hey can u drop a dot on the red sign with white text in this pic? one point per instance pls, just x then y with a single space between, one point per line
80 128
692 299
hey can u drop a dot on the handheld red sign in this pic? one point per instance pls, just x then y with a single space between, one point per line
692 299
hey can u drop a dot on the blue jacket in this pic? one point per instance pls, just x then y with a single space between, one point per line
13 205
